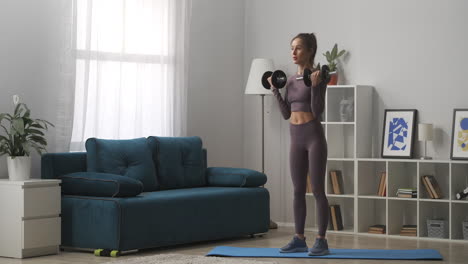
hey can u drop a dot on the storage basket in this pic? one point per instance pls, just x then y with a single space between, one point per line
437 228
465 230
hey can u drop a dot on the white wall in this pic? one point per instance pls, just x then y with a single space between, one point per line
29 61
412 52
216 83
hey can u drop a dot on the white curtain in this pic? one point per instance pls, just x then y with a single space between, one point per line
65 79
131 69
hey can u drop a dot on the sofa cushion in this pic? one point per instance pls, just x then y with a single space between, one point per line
179 161
131 158
100 185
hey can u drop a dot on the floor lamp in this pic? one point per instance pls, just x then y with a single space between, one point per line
254 86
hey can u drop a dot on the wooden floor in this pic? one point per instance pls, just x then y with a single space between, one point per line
455 252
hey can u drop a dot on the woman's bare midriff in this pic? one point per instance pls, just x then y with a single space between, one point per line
298 118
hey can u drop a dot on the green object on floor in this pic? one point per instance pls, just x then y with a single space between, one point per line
106 253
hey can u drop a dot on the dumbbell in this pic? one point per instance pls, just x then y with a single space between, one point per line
324 73
106 253
462 194
278 79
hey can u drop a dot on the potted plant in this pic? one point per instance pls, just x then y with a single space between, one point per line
22 135
332 64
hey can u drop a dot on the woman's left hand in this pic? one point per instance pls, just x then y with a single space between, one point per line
316 78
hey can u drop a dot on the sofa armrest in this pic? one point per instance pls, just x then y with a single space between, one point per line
54 165
100 184
234 177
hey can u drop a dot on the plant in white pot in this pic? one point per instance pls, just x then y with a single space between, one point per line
22 134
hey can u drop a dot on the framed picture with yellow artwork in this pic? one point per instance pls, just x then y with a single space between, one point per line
459 146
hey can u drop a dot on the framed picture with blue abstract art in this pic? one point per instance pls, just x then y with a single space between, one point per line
459 148
398 133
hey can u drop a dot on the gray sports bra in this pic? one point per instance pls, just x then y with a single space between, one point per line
299 97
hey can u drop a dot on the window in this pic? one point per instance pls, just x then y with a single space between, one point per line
127 58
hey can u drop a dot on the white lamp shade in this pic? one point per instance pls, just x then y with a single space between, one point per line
425 132
257 69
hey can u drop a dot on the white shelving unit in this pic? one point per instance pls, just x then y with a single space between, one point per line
349 150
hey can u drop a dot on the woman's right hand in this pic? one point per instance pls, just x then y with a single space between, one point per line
316 78
271 84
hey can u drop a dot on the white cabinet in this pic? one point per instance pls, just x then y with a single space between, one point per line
30 218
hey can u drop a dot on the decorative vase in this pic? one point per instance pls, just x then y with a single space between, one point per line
19 168
333 79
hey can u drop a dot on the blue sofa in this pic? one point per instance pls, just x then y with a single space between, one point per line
150 192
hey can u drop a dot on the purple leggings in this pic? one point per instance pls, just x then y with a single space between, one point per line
309 153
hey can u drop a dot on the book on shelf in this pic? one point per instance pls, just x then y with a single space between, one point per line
336 222
409 230
432 187
336 180
407 193
426 184
436 186
382 184
309 184
407 190
377 229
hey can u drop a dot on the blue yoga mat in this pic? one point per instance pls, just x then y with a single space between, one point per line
335 253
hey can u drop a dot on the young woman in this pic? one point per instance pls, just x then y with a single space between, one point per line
303 106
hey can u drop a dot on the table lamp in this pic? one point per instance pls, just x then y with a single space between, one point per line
425 133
